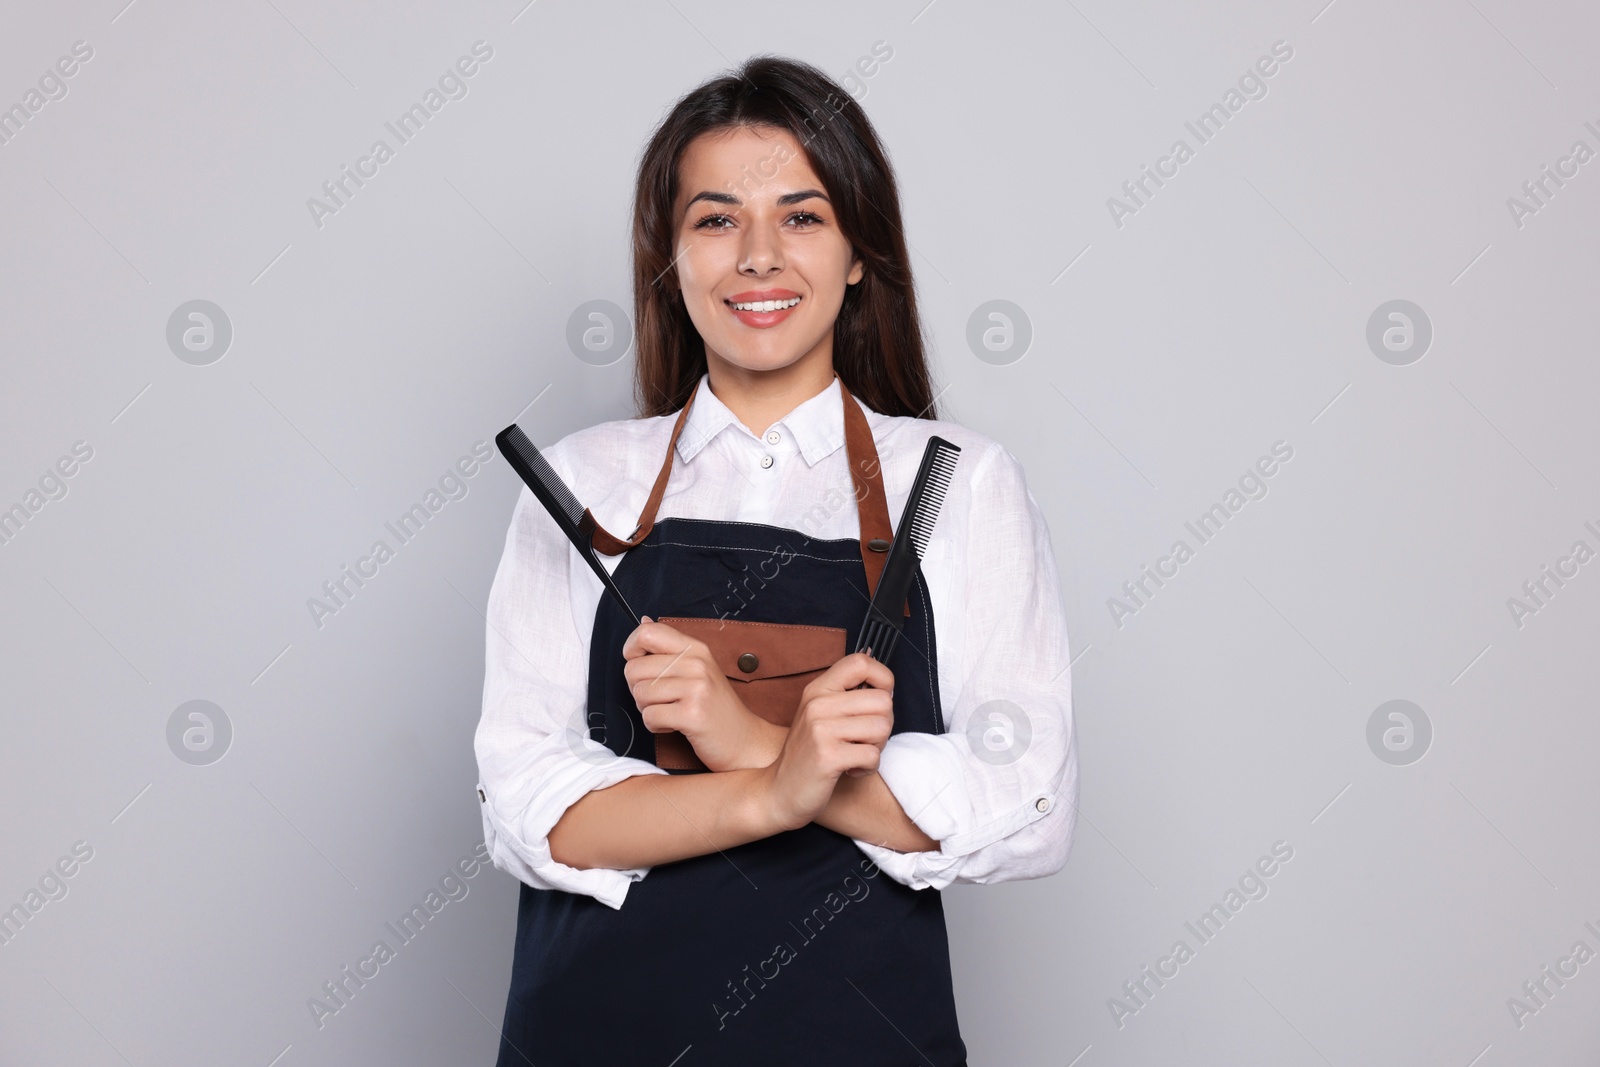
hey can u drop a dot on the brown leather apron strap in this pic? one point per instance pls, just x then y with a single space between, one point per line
877 535
610 545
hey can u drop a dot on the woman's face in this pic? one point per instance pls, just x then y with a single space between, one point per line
759 255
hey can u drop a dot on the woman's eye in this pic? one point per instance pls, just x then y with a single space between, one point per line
722 222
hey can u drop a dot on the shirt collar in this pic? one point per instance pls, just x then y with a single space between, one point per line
816 424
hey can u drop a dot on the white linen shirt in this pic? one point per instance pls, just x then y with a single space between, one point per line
998 790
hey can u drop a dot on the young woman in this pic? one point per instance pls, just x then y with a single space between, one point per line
731 848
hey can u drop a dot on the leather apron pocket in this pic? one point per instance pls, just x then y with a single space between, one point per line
768 663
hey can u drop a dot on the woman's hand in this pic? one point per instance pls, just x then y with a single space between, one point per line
838 729
677 685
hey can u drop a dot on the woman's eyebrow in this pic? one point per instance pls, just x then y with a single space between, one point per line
805 194
716 198
783 201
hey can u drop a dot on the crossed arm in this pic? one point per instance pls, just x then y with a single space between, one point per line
765 778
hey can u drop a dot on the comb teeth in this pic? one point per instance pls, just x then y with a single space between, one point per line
557 489
939 473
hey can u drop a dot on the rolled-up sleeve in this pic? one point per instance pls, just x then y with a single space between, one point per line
535 756
999 789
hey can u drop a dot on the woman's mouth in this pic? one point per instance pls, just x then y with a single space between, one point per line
763 310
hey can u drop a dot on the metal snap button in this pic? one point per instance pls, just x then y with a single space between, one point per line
748 662
878 544
1042 804
766 461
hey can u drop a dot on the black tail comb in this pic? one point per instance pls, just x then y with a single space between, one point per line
573 518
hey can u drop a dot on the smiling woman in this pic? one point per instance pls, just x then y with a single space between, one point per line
737 764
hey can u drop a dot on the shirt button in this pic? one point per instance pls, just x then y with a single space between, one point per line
772 437
1042 805
766 461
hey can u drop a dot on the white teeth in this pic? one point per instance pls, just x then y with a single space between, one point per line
767 305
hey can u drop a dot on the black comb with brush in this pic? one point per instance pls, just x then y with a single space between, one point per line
885 621
574 519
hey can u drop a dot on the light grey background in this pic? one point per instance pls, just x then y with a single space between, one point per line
1167 354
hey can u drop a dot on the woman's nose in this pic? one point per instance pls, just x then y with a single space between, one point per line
761 253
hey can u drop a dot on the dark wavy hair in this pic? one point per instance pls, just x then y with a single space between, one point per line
878 344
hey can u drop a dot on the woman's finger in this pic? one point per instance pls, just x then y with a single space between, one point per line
662 690
853 670
653 665
859 759
654 637
662 718
860 730
852 703
874 672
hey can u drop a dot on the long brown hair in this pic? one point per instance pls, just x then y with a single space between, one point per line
877 339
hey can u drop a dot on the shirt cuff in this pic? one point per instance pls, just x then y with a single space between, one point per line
926 773
918 870
525 851
926 778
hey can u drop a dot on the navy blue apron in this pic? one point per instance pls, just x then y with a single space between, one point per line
795 949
